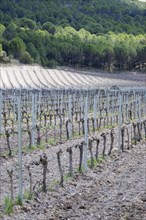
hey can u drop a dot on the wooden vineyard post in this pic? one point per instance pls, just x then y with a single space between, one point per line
113 112
127 97
108 100
81 101
91 152
132 104
44 162
69 150
32 112
20 147
95 112
70 116
39 101
1 103
98 95
61 104
58 100
54 124
139 109
60 167
10 173
86 134
14 101
112 141
30 181
145 104
120 120
136 108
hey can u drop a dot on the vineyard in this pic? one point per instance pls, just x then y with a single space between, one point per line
51 135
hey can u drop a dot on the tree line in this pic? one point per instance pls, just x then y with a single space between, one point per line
66 46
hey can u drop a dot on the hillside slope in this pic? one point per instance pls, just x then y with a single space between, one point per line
96 16
95 33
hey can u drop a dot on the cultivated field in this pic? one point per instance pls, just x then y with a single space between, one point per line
72 144
37 77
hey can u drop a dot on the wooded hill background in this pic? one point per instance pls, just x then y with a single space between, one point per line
107 34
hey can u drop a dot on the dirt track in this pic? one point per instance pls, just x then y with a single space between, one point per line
115 190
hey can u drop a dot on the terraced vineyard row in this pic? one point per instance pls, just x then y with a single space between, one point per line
36 77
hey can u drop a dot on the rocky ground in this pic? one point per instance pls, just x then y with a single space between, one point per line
114 190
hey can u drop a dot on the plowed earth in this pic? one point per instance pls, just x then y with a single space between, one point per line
114 190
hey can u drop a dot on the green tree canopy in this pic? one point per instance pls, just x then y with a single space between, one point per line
17 47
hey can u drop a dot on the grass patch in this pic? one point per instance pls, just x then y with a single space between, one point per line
8 205
18 201
96 162
1 215
82 170
27 195
67 177
53 184
51 141
76 135
4 154
133 141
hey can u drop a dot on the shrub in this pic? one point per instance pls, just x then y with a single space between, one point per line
26 58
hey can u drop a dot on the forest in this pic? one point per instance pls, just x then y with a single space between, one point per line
95 33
